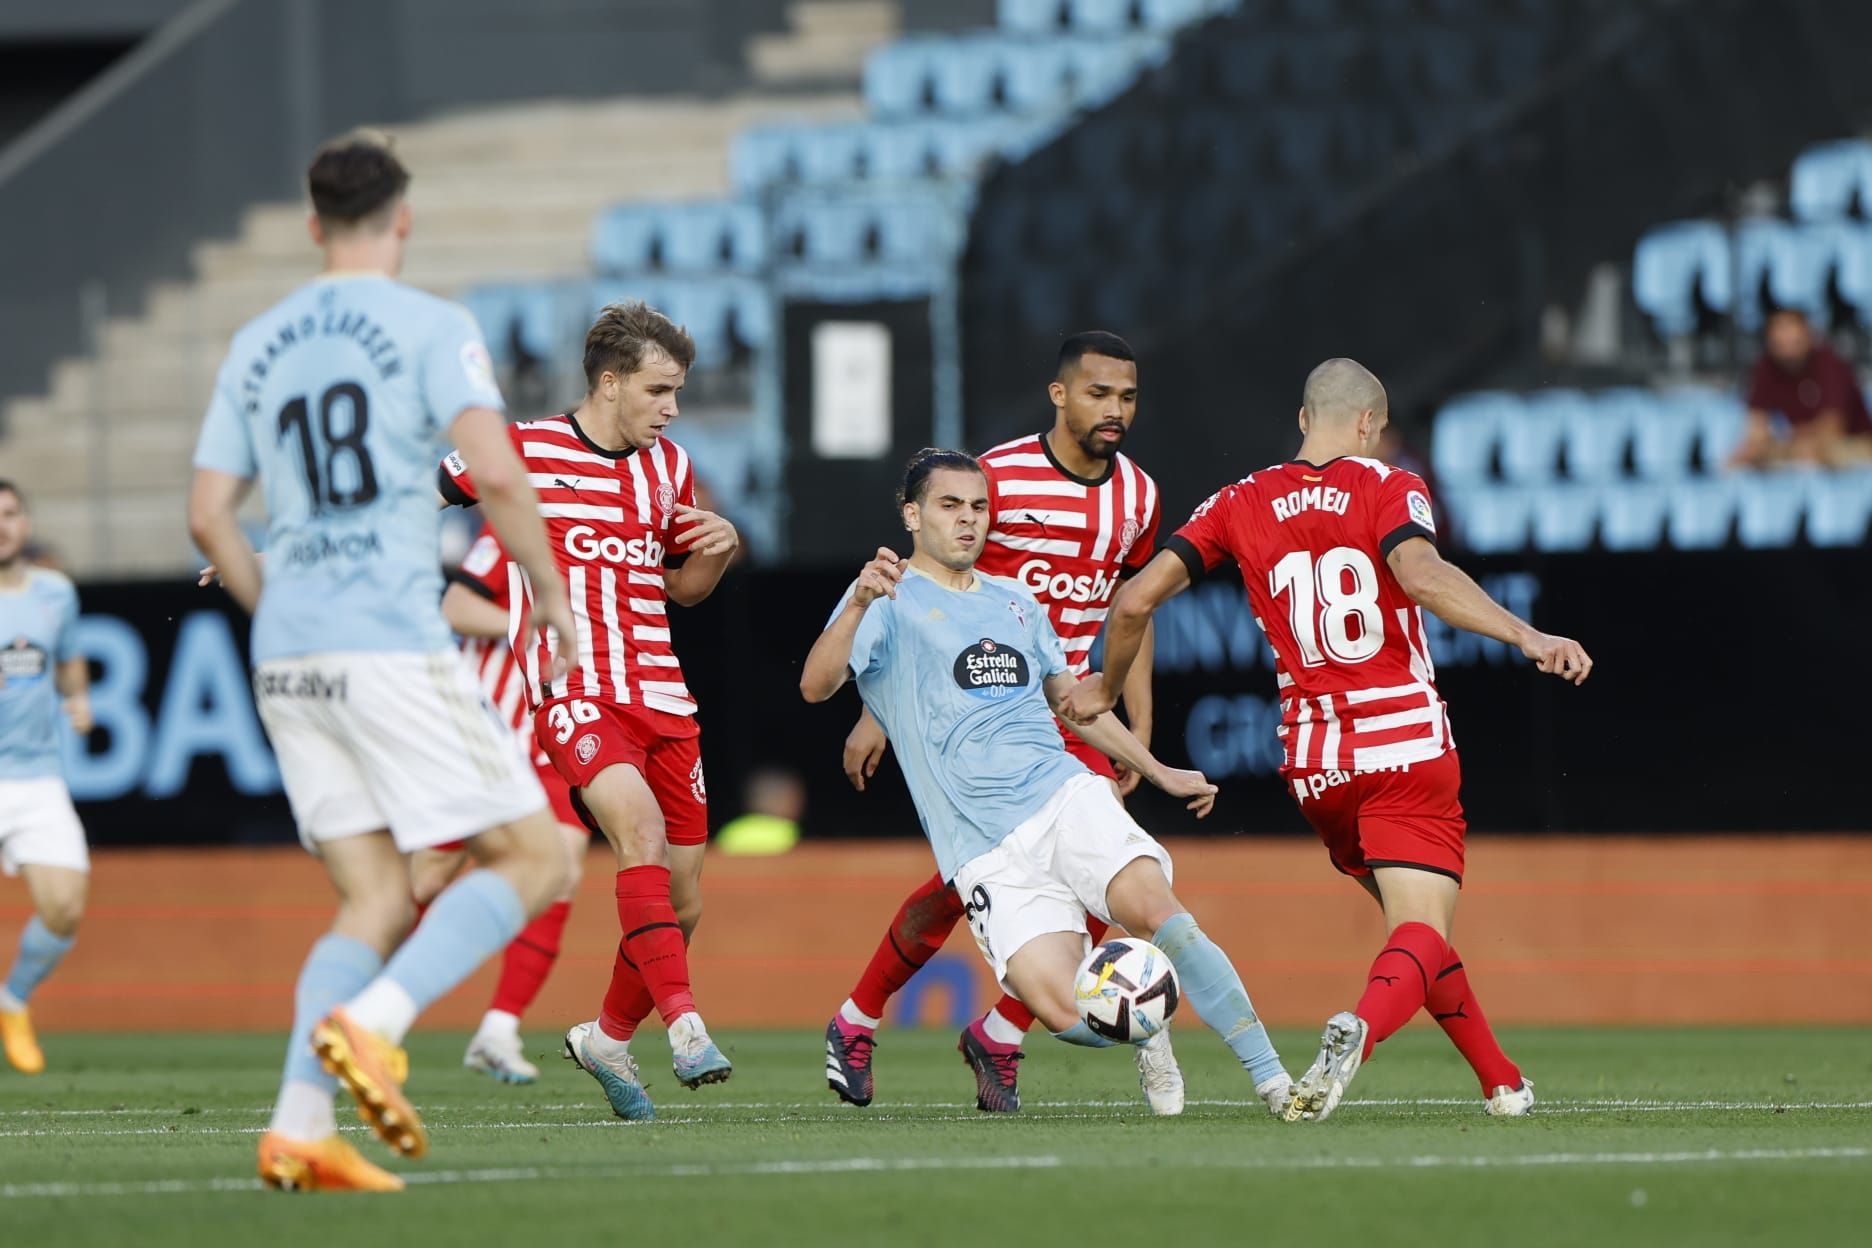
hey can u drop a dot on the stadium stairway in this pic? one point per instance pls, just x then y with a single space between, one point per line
500 194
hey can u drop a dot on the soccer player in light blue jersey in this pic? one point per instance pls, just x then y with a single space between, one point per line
339 400
41 673
964 671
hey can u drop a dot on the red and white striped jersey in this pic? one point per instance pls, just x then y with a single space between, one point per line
609 516
1358 691
1068 540
485 571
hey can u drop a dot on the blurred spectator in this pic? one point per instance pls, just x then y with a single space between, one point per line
1804 402
775 801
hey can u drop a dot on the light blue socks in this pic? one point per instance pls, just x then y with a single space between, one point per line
39 952
337 968
471 921
1081 1034
1212 986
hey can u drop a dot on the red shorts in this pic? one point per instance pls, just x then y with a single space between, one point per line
558 796
1410 817
665 749
1094 760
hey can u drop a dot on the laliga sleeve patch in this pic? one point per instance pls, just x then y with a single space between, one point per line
482 556
1419 508
477 367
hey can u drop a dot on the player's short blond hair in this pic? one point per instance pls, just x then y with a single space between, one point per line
627 335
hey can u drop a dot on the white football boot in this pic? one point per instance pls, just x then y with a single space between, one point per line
1342 1052
503 1057
1276 1094
1159 1075
1507 1102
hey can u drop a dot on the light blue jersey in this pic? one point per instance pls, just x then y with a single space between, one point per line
338 399
38 631
956 679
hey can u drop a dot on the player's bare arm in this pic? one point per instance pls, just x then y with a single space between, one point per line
471 615
828 665
480 435
1126 630
74 686
864 749
1108 734
710 541
214 522
1450 594
1138 706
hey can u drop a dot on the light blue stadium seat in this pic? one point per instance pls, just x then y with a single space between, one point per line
897 77
1490 519
1565 514
1720 416
762 157
1631 515
959 149
829 153
912 228
1671 263
1599 430
1794 259
963 72
827 231
1170 14
1769 506
1465 436
1852 253
1100 17
1827 176
1664 440
1531 437
1104 68
625 237
1036 17
897 151
1038 77
714 235
1701 512
1839 507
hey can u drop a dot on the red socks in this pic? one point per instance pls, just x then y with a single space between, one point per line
627 1001
1456 1010
529 959
919 929
1400 979
653 941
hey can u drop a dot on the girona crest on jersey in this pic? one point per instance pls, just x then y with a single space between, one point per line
1127 537
587 747
666 499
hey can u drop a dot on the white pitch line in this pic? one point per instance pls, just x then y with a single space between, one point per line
875 1165
839 1110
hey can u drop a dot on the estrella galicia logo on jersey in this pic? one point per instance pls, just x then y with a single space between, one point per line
587 747
1419 508
988 669
21 661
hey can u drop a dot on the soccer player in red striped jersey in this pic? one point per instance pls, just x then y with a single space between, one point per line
1070 517
618 499
476 607
1339 554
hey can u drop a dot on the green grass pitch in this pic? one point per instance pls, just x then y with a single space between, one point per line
1641 1137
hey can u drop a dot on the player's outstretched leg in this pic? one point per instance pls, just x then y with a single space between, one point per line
1141 900
58 895
1454 1006
916 934
360 1041
496 1048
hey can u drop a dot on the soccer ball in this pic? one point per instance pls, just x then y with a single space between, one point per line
1126 990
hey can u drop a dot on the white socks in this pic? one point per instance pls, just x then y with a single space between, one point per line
385 1008
856 1017
1000 1030
499 1025
304 1112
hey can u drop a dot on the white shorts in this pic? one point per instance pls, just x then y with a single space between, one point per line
402 741
1052 869
38 827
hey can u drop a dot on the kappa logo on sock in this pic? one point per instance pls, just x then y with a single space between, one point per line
587 747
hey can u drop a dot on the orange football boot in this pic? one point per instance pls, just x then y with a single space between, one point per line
373 1070
327 1165
22 1047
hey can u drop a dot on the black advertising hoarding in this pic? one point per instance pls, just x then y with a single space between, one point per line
1730 694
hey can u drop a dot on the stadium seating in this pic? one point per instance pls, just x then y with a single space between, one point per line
1489 519
1839 508
1463 441
1701 512
1674 265
1826 180
1632 515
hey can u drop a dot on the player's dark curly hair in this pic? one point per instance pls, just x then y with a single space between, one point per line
355 177
926 461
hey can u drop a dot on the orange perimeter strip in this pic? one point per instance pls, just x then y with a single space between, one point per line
1553 930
